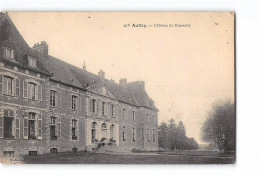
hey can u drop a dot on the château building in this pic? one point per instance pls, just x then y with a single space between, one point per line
50 106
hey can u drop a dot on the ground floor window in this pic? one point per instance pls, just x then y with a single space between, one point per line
153 136
74 150
53 128
8 153
133 134
32 153
8 127
31 126
112 131
93 131
147 135
104 130
74 129
32 129
54 150
123 136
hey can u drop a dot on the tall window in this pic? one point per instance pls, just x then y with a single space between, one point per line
123 136
93 107
53 97
9 53
147 135
6 124
153 136
93 131
74 129
112 110
134 134
124 113
53 128
148 118
104 130
133 115
73 102
8 85
31 123
103 108
31 91
112 131
32 62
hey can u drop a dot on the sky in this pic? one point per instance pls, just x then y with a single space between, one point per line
185 69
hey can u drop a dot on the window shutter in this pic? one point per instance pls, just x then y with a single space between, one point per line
36 92
25 125
17 128
1 126
5 85
96 106
77 129
25 89
39 92
70 102
79 103
105 106
87 104
39 128
17 89
59 99
90 105
13 87
59 128
1 83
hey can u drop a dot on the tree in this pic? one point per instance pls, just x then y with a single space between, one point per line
219 127
192 144
162 133
172 136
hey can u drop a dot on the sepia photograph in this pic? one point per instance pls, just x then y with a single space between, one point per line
117 88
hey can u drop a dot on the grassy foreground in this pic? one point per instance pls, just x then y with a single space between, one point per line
135 158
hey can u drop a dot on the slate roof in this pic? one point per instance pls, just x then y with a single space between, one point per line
58 70
10 37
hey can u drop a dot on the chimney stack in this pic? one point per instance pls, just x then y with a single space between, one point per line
101 74
42 47
142 83
123 82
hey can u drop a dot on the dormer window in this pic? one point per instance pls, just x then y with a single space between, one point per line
32 62
9 53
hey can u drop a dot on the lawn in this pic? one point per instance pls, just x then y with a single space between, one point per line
135 158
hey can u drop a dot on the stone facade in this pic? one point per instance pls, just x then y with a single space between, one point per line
47 105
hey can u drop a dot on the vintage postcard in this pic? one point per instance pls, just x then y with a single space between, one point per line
117 88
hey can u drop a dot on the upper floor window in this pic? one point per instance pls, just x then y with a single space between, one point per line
103 108
9 85
74 102
32 62
148 118
112 110
124 114
133 115
9 53
31 91
93 107
53 96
